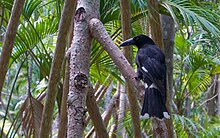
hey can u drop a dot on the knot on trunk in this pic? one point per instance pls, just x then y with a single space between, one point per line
80 14
80 81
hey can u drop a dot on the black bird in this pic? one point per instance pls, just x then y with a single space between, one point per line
151 69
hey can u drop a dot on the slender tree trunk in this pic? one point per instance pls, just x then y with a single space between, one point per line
126 33
55 72
1 22
160 128
126 27
188 105
168 39
113 129
79 66
99 90
101 95
9 39
212 91
108 94
121 112
218 91
108 112
154 22
63 111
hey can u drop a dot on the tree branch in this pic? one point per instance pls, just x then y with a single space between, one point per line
98 31
106 115
95 115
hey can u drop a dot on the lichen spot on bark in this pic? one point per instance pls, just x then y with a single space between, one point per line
80 81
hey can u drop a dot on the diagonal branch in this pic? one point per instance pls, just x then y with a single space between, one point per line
106 115
98 31
95 115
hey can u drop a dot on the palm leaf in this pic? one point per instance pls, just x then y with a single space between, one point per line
29 7
193 15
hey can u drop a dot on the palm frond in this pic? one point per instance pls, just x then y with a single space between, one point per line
27 40
29 7
192 15
186 127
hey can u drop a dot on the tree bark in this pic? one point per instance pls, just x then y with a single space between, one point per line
113 128
154 22
212 91
159 128
126 33
108 94
95 115
103 92
79 66
1 22
156 34
126 27
55 72
106 115
168 39
218 91
121 112
62 133
98 31
9 39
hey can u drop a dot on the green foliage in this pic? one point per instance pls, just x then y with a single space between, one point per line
191 14
186 127
196 58
192 67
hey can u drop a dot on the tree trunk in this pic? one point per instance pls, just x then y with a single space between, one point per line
159 126
188 105
218 91
168 40
63 111
9 39
55 72
121 112
108 94
79 66
212 91
126 33
113 128
154 22
1 22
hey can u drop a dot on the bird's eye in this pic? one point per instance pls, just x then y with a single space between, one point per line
136 39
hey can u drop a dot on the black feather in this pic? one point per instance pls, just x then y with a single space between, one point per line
151 68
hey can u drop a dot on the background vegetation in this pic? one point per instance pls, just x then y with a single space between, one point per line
196 66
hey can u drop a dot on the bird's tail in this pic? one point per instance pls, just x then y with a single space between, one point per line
154 105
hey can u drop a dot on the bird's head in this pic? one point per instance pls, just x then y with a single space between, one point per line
139 41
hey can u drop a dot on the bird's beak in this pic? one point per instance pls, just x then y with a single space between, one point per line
127 42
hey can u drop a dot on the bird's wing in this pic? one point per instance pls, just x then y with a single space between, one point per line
153 69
